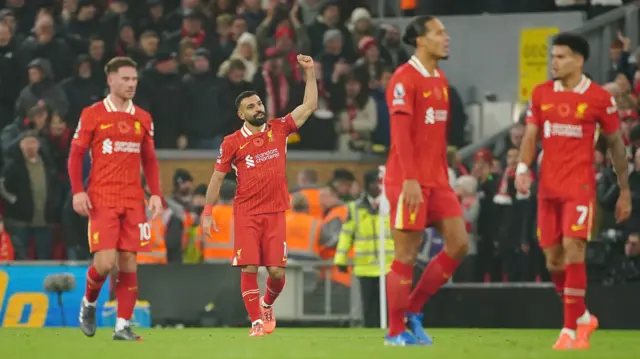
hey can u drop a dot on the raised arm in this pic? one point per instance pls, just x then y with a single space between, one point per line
310 103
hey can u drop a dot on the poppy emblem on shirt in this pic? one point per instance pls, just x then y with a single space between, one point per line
258 141
123 127
437 93
564 110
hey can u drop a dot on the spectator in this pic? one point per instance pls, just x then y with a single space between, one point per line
59 136
329 19
147 49
83 23
175 18
615 51
275 88
222 7
191 28
334 66
182 187
370 65
361 25
246 50
8 18
155 20
202 96
43 44
112 20
513 140
225 42
185 55
10 75
30 209
341 184
252 12
81 90
36 119
238 27
230 87
98 59
398 55
466 188
42 88
160 92
488 268
358 120
126 44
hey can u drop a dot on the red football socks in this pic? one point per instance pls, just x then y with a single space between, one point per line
274 287
399 281
94 283
574 292
437 273
250 294
558 279
126 294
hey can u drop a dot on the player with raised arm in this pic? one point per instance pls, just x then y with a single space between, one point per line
119 137
257 153
416 180
567 113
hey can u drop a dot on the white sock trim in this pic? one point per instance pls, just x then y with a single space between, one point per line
259 321
264 304
571 332
88 303
121 323
585 318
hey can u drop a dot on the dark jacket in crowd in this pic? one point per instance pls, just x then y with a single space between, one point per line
15 183
80 92
316 37
163 96
56 51
11 81
202 96
46 90
228 113
11 135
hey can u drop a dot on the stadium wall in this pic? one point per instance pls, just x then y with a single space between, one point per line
209 295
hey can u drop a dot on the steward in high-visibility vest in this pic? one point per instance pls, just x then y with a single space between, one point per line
335 214
312 194
303 230
157 246
360 233
218 246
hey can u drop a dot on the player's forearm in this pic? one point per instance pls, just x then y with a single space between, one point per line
310 101
151 170
619 159
401 138
527 149
213 190
74 167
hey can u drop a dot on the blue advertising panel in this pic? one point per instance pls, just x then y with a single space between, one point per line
25 303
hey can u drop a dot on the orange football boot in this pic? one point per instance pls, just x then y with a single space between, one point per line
268 317
584 332
564 342
257 330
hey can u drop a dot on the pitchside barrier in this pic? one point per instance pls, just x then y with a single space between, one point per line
209 295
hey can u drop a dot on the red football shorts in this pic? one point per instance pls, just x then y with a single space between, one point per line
558 218
437 204
124 229
260 240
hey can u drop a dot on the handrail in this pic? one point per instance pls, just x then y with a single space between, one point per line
606 18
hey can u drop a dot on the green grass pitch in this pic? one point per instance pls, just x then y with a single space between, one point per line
287 343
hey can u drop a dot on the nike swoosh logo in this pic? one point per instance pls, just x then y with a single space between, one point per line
546 107
104 127
245 145
144 243
252 299
576 228
426 94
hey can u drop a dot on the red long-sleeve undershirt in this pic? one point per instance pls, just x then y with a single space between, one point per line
149 166
401 136
74 167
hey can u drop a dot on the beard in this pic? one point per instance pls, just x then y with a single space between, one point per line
259 119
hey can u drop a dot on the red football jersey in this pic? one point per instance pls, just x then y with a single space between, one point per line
569 123
259 161
115 140
425 97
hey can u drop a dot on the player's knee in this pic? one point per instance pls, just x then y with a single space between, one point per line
105 262
127 262
555 264
574 250
276 273
458 248
250 269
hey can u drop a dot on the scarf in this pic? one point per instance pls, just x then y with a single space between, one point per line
352 113
503 197
197 40
283 95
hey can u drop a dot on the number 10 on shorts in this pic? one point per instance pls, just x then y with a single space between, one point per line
145 233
